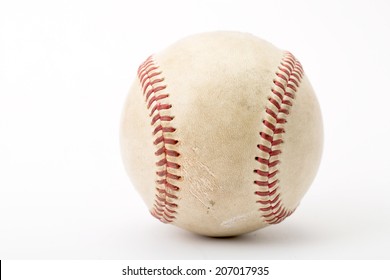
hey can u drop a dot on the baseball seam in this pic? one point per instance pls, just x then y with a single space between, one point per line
285 84
156 96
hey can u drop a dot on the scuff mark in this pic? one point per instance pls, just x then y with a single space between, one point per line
233 221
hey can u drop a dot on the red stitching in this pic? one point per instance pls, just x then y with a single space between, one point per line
285 85
154 91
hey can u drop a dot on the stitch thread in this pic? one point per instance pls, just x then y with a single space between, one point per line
154 91
285 84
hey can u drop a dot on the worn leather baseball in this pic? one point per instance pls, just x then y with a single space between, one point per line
221 134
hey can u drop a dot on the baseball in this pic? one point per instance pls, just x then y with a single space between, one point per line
221 133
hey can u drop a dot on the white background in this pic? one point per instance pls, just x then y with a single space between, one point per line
65 69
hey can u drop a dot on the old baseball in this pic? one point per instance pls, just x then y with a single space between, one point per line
221 134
